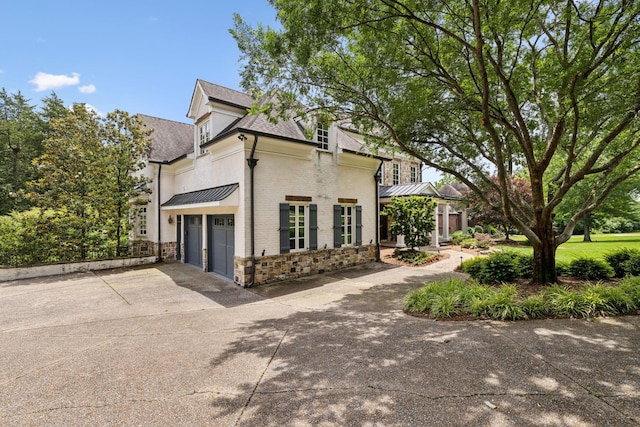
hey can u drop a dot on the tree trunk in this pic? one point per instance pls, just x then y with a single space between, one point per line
587 228
544 255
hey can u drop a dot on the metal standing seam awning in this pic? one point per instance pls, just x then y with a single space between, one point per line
210 197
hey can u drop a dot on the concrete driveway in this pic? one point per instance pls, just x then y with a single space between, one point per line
170 345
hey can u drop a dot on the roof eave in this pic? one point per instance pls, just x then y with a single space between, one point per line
258 133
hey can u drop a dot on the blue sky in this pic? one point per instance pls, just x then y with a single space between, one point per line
141 57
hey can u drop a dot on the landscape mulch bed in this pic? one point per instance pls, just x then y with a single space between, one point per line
389 257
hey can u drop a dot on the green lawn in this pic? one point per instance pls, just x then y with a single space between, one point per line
576 248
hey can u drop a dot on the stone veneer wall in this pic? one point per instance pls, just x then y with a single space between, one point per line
276 268
147 248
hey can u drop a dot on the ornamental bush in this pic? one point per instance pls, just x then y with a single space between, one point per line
618 258
590 269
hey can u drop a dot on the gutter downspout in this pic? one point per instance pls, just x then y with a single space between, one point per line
252 162
159 227
377 177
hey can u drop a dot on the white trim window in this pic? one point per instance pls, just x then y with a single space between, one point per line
414 174
322 135
396 173
297 227
347 222
204 135
141 221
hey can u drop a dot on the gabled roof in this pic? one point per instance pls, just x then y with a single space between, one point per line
225 95
418 189
448 190
413 189
214 194
289 129
174 140
169 140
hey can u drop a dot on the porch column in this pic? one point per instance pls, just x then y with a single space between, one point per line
445 222
434 234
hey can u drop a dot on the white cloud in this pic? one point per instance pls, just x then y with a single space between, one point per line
44 81
87 89
90 107
1 71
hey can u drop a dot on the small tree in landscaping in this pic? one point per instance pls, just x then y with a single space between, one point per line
413 217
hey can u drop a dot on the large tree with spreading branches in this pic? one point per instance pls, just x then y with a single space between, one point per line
545 89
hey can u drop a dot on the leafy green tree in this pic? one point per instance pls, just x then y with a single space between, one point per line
126 144
473 88
484 213
621 202
71 169
20 142
413 217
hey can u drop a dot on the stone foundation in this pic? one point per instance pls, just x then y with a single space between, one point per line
276 268
148 248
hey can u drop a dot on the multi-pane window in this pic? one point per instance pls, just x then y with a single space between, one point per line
322 136
414 174
396 173
347 222
204 134
296 227
141 222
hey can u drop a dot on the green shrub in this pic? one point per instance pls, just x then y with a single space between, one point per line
590 269
597 301
504 305
500 267
458 236
534 307
473 266
565 302
435 293
631 287
469 243
415 257
524 264
632 266
618 258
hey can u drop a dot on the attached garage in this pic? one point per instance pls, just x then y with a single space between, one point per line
220 244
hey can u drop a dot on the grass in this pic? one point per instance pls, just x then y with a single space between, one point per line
576 248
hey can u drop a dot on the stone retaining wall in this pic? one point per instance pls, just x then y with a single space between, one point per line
7 274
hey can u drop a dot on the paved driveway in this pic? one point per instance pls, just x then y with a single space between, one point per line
169 345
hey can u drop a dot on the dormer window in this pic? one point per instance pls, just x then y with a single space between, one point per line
322 135
204 135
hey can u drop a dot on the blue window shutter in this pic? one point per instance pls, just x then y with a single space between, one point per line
337 226
358 225
284 228
313 227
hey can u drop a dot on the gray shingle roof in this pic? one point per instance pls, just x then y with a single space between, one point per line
450 191
214 194
225 95
169 140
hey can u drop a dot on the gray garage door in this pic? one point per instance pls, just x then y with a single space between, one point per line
220 244
193 240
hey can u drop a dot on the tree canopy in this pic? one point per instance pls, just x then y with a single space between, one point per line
545 89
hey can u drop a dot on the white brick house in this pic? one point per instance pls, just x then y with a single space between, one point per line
313 208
